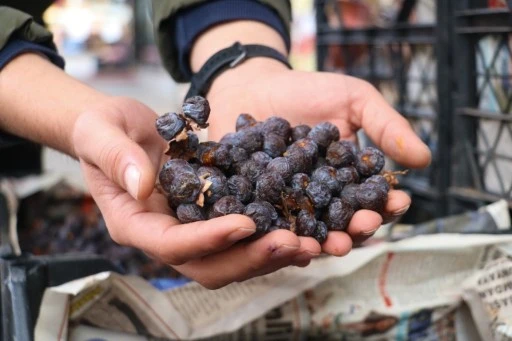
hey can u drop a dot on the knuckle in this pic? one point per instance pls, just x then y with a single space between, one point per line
110 158
117 236
79 132
172 259
212 284
366 86
167 254
209 243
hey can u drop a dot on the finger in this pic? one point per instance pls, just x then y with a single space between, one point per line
115 151
241 262
363 225
309 249
131 223
337 244
397 205
386 127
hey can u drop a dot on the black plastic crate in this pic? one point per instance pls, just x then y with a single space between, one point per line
483 104
410 63
24 280
25 277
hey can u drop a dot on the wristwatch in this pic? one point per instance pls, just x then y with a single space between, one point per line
228 58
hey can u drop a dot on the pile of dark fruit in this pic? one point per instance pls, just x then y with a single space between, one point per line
303 179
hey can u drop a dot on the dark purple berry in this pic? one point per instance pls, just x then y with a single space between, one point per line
277 125
327 176
372 196
189 213
319 194
282 223
324 134
300 132
261 158
270 208
240 187
348 193
338 214
379 179
281 167
245 121
184 149
170 125
180 182
298 160
238 155
351 146
262 215
226 205
250 139
269 187
347 175
205 172
307 145
340 154
197 109
320 232
214 154
251 170
229 139
369 161
274 145
218 187
296 200
300 181
305 224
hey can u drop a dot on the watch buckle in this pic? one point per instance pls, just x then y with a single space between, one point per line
241 57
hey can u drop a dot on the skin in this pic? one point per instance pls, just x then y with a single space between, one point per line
120 153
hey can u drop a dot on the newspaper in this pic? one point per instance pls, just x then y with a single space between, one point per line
488 219
412 289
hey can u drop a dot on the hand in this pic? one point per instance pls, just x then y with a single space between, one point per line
121 154
263 88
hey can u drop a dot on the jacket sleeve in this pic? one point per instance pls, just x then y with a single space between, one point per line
164 13
15 24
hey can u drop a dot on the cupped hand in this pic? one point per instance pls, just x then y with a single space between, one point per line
264 88
120 154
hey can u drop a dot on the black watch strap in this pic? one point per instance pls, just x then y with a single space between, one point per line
226 59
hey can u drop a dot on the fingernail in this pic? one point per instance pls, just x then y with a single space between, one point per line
283 251
401 211
305 256
131 180
240 233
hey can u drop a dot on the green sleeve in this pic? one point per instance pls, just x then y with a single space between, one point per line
163 12
14 23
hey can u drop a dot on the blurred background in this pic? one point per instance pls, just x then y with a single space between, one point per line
109 44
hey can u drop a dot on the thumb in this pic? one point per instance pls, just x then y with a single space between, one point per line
107 146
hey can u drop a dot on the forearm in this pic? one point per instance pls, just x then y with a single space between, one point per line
39 102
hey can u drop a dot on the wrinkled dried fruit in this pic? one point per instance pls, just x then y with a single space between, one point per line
197 109
170 125
369 161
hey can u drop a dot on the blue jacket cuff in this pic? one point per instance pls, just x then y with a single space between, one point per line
15 47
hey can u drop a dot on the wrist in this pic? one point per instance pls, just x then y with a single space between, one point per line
222 36
248 72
